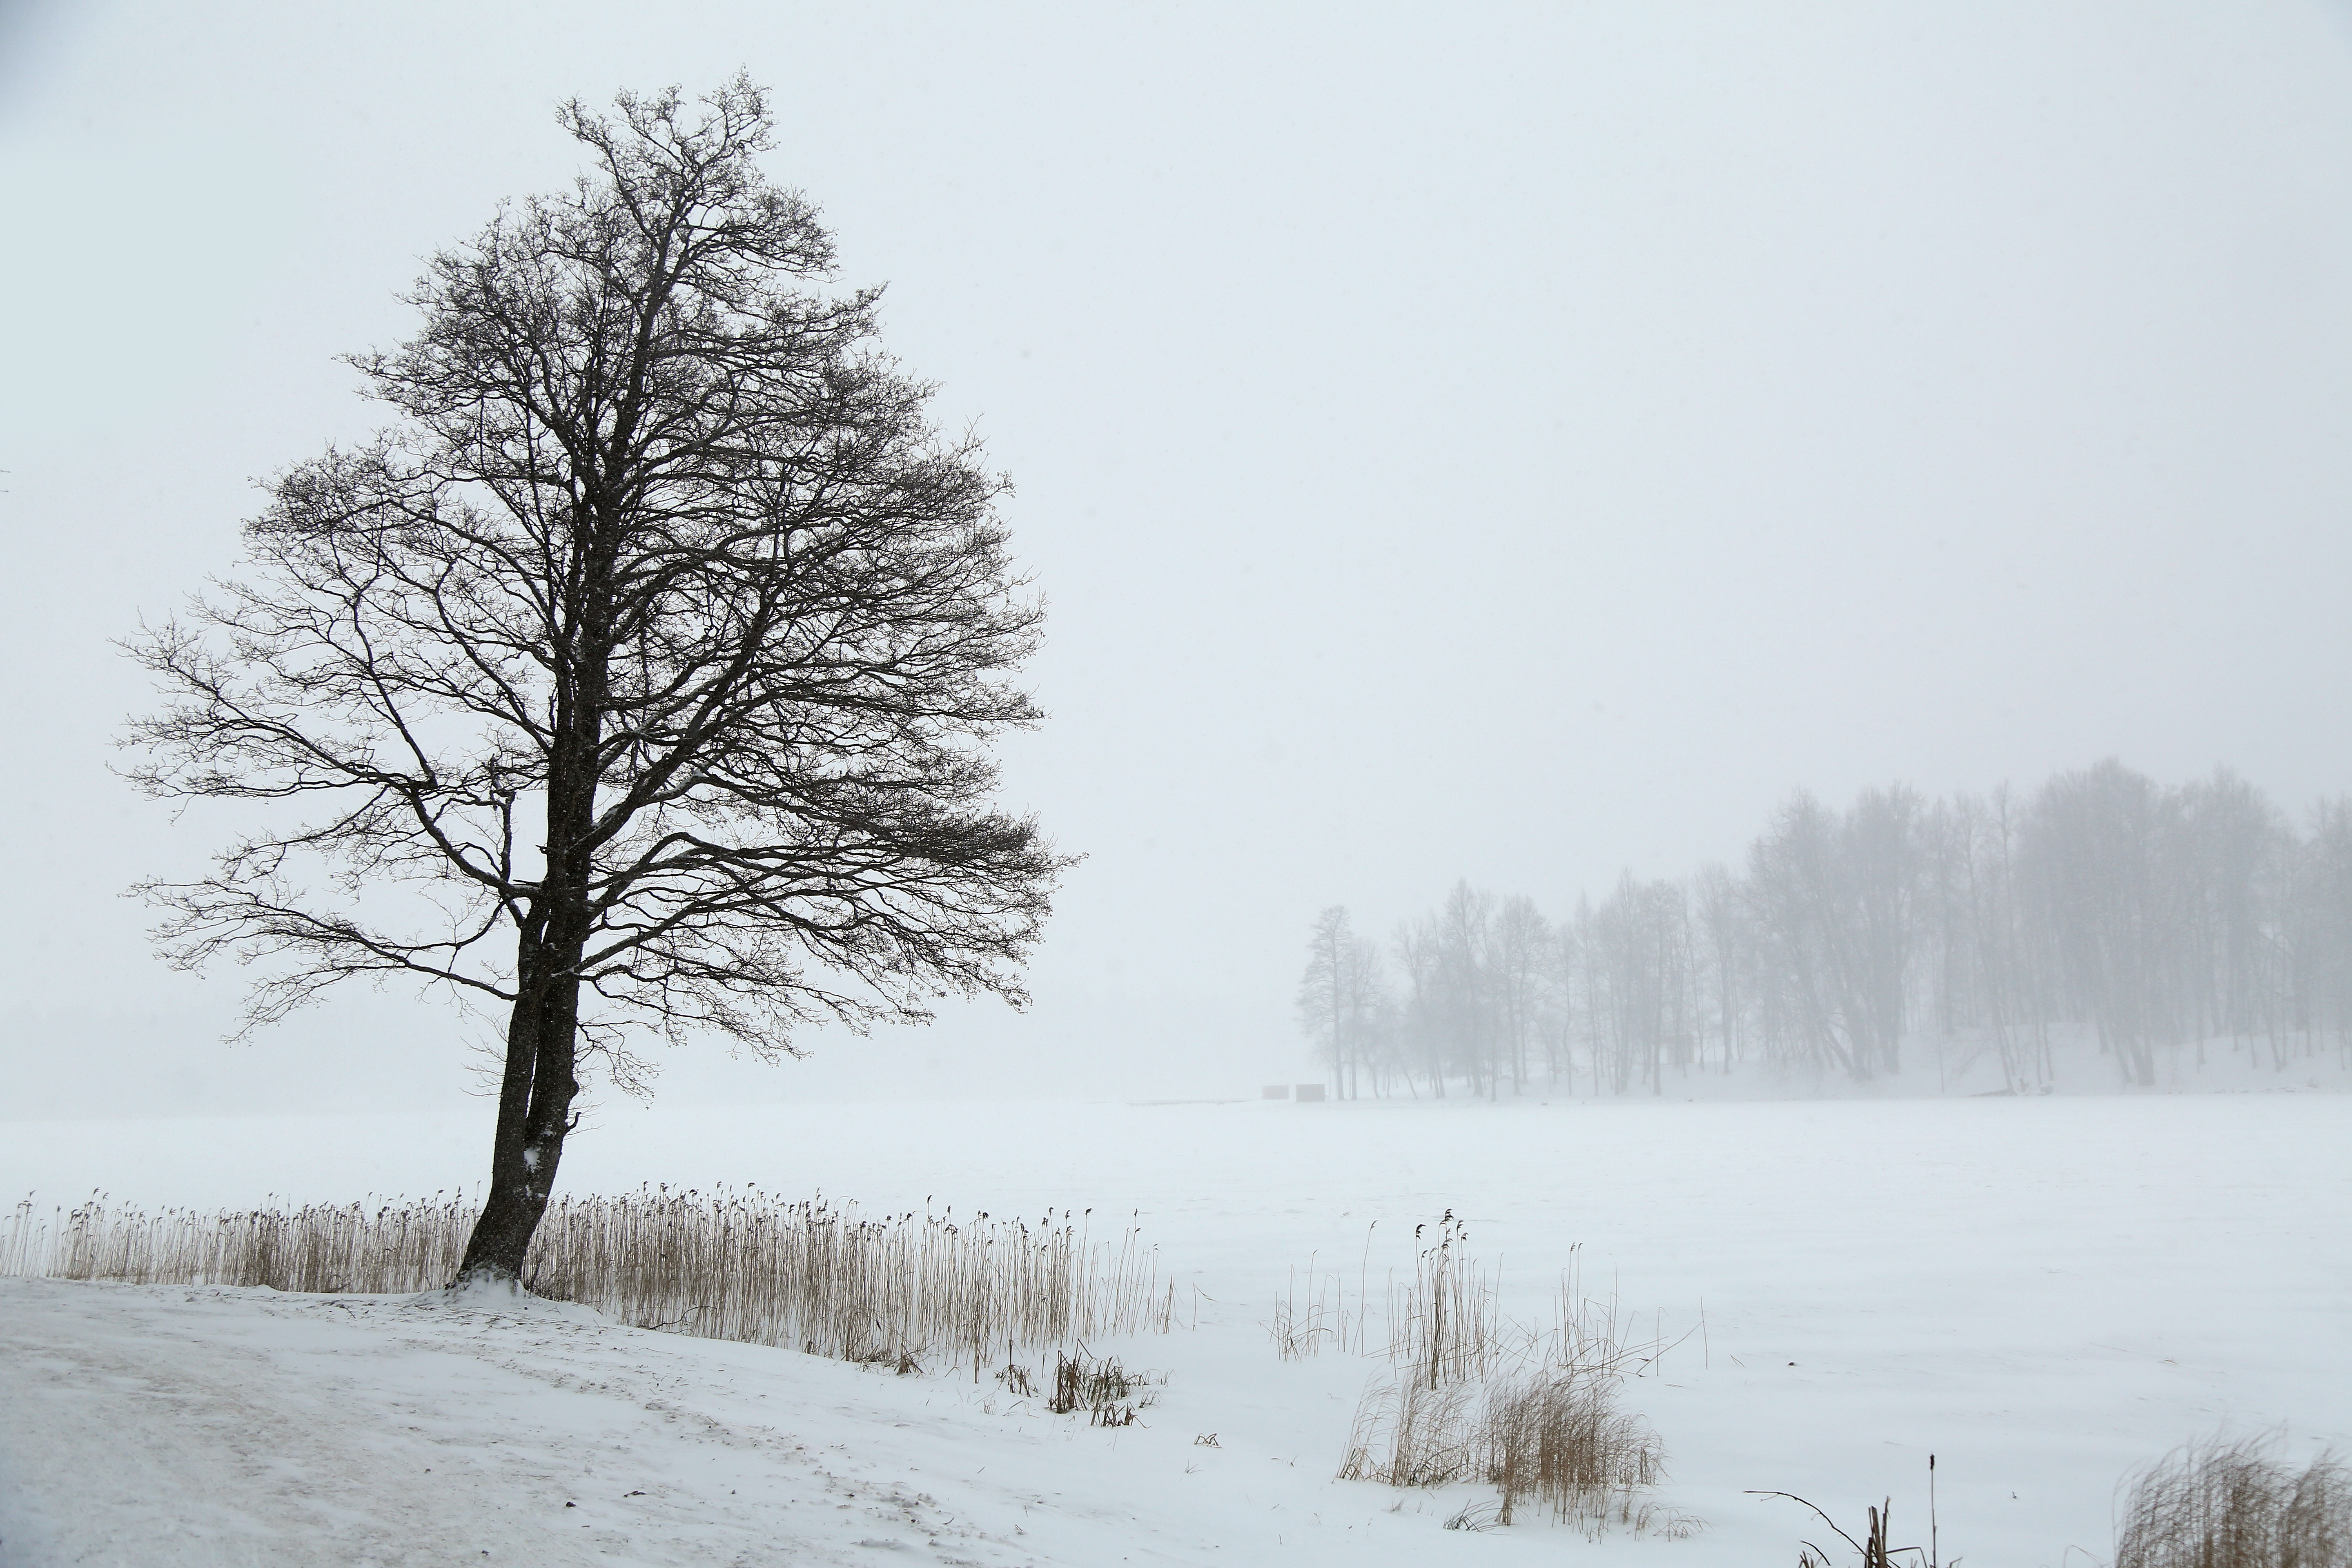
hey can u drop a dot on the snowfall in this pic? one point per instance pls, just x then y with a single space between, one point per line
2046 1294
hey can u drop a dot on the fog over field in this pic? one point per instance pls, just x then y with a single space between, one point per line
1521 447
2046 1294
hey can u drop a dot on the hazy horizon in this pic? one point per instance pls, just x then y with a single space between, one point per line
1516 447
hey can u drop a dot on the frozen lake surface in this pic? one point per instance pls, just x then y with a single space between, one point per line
2046 1294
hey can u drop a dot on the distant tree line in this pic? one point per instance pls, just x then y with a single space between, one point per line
2147 916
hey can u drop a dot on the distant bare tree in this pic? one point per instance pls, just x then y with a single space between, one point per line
1370 1014
2101 848
1880 850
2160 917
1721 913
1563 980
1521 945
2239 857
1992 964
1468 1011
1342 999
1797 888
654 650
1641 999
1423 1007
2321 926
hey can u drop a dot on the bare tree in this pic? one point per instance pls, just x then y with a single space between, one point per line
1796 884
1639 980
2239 856
2160 918
1717 901
1466 936
1522 939
2101 850
1880 852
1342 999
2322 926
1422 1010
639 675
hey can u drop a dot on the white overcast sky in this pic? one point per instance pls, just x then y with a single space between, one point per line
1511 442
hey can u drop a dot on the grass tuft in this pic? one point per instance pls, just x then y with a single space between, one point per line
1476 1397
1551 1439
1109 1394
2220 1504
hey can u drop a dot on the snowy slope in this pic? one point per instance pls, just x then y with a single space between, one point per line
205 1426
2046 1294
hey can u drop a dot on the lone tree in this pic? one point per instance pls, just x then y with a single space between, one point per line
638 676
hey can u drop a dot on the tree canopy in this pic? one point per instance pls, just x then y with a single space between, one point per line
639 674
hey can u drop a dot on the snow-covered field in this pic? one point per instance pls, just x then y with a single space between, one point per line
2046 1294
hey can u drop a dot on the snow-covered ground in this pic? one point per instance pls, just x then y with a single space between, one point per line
2045 1292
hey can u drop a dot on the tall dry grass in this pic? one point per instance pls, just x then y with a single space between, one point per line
1474 1396
1555 1439
919 1289
2220 1504
1108 1393
1445 1323
1550 1438
388 1248
1306 1322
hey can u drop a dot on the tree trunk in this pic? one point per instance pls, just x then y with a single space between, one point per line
534 1113
543 1034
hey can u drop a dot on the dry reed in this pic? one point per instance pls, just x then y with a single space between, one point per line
1446 1324
390 1248
1304 1324
1109 1394
1872 1549
2220 1504
1478 1397
1556 1439
1550 1438
907 1289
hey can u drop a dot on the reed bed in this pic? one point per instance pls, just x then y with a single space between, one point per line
924 1288
387 1248
1445 1323
2220 1504
917 1289
1550 1439
1474 1396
